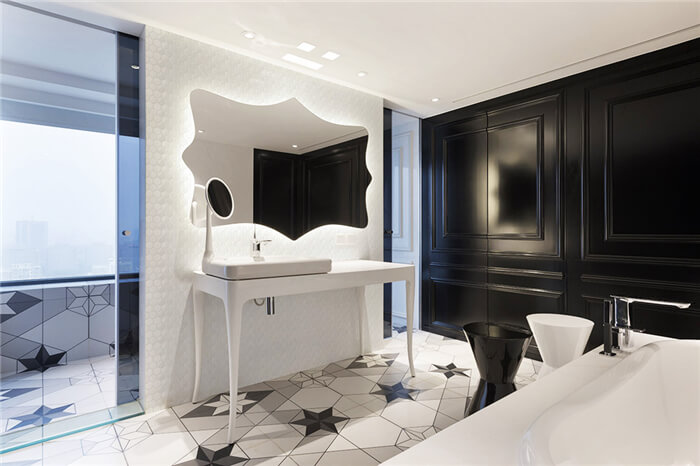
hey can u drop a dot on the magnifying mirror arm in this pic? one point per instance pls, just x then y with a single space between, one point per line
208 246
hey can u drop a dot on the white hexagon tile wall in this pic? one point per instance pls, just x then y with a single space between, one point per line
308 330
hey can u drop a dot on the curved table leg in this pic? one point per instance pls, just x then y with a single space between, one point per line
410 296
197 305
234 312
362 307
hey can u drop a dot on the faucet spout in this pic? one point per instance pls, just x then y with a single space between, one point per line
617 323
629 300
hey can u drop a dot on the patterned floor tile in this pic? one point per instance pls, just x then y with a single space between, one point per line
373 360
215 455
160 449
352 385
411 436
395 392
450 370
272 440
312 421
53 392
453 407
362 410
371 432
315 397
347 458
363 405
409 414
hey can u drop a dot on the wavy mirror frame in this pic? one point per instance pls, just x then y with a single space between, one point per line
286 168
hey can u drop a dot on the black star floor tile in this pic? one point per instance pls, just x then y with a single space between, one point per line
323 420
451 370
43 415
42 361
226 456
396 391
8 394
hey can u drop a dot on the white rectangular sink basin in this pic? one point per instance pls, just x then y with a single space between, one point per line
645 410
247 268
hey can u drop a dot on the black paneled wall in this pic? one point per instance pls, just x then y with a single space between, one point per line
296 193
553 198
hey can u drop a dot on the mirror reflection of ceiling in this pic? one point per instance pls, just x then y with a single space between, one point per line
277 127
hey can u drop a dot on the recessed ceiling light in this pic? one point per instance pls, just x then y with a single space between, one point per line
294 146
248 34
302 61
330 55
362 74
200 131
135 67
435 99
306 47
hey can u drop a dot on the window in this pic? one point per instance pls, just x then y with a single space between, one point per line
58 202
57 148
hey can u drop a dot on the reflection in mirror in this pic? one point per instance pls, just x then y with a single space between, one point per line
219 198
286 168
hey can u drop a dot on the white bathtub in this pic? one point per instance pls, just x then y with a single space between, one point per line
644 410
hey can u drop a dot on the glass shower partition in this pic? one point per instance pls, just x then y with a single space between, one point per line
70 169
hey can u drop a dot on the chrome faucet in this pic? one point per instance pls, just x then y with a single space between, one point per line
617 324
256 246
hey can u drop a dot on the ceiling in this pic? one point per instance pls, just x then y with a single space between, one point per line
460 52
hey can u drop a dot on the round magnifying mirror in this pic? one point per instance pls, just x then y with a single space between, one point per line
219 198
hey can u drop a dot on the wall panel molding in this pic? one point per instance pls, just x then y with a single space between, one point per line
619 210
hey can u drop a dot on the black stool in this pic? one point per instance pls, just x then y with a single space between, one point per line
498 349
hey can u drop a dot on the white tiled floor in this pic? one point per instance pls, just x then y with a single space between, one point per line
82 386
354 412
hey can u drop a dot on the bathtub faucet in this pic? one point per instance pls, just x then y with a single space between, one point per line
617 324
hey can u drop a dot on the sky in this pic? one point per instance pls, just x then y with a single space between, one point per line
62 176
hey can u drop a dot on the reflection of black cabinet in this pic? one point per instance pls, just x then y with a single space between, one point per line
277 200
335 180
553 198
297 193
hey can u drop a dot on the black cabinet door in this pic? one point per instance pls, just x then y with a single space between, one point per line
636 229
525 198
335 181
590 191
455 225
495 232
524 153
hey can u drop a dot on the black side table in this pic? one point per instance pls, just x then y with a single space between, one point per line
498 349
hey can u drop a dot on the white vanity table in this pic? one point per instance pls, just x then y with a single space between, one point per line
235 293
234 134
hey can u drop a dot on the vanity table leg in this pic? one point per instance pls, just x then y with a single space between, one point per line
410 297
234 311
197 305
362 305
